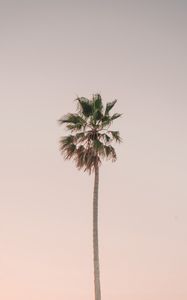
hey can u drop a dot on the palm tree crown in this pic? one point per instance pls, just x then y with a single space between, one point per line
90 139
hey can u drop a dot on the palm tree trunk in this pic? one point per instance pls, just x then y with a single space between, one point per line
95 236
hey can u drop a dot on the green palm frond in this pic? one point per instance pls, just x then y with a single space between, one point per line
67 140
85 106
97 115
115 116
105 138
80 137
98 146
116 136
106 121
97 103
74 128
110 153
109 106
70 151
74 122
72 118
67 146
97 109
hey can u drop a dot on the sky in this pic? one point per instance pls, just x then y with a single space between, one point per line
52 52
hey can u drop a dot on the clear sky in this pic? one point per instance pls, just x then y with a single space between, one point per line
52 51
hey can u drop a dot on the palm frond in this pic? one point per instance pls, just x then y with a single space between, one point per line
91 159
97 103
116 136
97 115
67 146
74 127
80 137
86 158
106 121
67 140
74 122
110 153
109 106
71 118
98 146
105 138
115 116
70 151
85 106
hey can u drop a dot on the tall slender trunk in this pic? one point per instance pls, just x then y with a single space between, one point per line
95 236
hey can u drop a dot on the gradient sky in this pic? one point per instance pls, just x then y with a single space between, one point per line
52 51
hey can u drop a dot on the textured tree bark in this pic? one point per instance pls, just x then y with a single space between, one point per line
95 237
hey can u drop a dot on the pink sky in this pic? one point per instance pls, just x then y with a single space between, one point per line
52 51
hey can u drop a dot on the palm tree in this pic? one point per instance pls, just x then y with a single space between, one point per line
88 143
